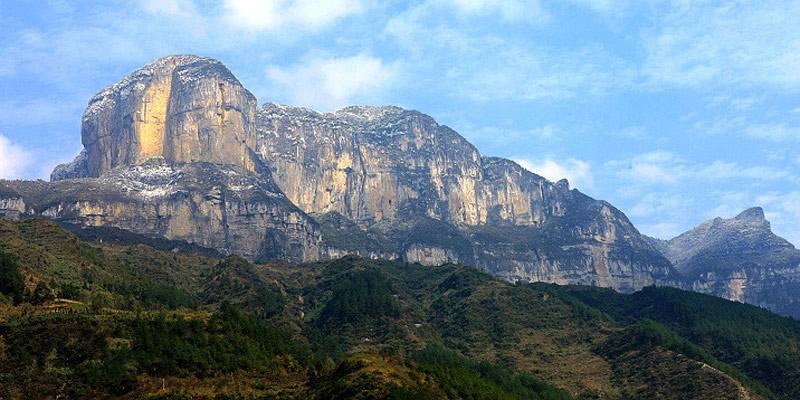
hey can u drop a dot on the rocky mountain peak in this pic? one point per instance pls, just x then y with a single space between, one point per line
183 108
754 214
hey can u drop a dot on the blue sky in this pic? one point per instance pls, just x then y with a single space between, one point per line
675 112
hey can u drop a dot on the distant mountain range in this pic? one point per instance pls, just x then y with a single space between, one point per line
180 149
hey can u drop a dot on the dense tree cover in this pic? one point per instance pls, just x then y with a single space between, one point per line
356 326
462 378
359 296
12 284
738 338
646 335
106 353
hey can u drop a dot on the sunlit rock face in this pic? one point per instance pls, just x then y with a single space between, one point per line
168 151
739 259
375 163
181 108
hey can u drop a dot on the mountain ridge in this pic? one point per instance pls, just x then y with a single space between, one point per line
277 182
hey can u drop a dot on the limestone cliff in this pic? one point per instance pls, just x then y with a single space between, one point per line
169 151
181 108
739 259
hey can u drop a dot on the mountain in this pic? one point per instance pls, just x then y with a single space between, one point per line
739 259
122 320
179 148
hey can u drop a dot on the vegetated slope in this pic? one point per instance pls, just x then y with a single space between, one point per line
355 328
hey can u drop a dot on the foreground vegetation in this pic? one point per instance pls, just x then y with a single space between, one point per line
125 320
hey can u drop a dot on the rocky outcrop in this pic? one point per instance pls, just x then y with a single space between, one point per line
12 205
181 108
217 206
430 255
739 259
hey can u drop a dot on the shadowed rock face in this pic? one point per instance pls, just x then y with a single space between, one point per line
739 259
181 108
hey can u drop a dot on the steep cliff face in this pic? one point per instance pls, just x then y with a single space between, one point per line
217 206
386 166
168 151
370 163
12 205
376 163
740 259
181 108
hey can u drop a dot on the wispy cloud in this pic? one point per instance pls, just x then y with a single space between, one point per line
14 160
328 83
455 52
511 10
664 167
662 230
577 172
726 44
775 132
185 12
260 15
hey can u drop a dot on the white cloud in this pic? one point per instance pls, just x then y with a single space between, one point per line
577 172
331 83
726 43
259 15
651 167
14 160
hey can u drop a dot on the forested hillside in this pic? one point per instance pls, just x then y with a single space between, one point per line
122 319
